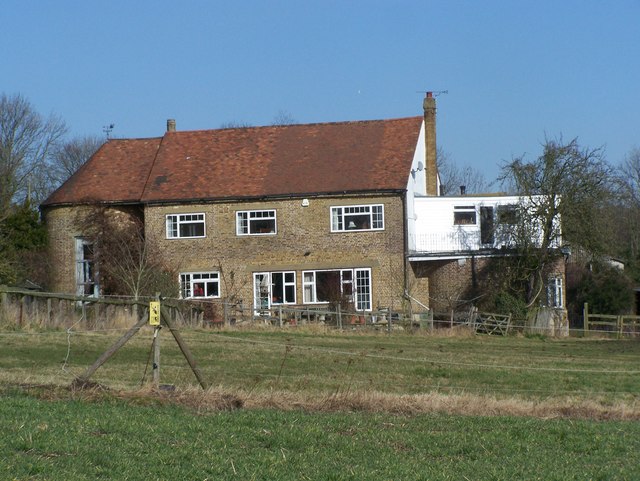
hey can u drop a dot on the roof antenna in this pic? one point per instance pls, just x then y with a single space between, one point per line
107 130
435 93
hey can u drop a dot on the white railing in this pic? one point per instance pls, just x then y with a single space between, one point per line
457 241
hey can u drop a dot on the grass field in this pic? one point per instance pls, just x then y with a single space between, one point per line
321 405
111 439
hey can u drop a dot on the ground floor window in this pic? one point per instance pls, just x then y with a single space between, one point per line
274 288
199 284
86 270
337 285
555 292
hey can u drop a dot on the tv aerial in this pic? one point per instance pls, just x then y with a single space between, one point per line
107 130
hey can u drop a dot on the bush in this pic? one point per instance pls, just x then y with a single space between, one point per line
607 290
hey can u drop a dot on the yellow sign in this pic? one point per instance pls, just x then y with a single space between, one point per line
154 313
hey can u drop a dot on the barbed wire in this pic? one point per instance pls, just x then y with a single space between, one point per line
436 361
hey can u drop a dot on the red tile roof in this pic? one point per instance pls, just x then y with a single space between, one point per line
249 163
117 173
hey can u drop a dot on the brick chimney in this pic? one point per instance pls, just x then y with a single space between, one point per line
171 125
431 168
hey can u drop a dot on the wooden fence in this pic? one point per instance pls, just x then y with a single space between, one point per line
622 325
55 310
22 307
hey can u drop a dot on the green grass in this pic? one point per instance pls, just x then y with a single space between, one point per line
74 440
261 361
84 436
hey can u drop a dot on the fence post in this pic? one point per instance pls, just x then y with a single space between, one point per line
585 315
156 347
279 316
339 315
620 326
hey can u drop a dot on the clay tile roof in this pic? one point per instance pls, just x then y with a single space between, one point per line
117 173
249 162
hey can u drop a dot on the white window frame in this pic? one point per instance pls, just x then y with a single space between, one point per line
358 279
465 210
86 269
188 280
344 216
175 221
246 219
555 292
266 288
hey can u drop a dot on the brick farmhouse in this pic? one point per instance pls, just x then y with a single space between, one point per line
298 213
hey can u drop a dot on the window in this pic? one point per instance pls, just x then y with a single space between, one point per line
335 285
274 288
86 271
357 217
464 215
199 284
555 292
180 226
507 214
256 222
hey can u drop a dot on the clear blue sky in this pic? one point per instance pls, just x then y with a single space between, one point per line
516 71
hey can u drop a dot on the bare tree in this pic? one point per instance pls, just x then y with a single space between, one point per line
127 263
626 211
26 143
567 182
68 157
283 118
235 124
453 177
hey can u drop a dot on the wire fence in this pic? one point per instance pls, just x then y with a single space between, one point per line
336 364
21 308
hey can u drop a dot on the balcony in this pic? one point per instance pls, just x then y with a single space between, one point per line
469 225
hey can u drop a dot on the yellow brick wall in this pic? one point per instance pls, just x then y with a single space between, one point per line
304 241
61 229
63 226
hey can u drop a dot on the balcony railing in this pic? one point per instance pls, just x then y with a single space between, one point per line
462 241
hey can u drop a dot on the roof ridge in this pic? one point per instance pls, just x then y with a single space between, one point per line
311 124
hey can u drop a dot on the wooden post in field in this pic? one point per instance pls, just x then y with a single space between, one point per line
112 350
585 315
183 347
154 320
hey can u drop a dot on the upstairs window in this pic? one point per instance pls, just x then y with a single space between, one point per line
507 214
357 217
199 284
256 222
185 226
464 215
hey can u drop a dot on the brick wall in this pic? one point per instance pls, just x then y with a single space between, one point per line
449 280
63 226
61 229
453 280
303 241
